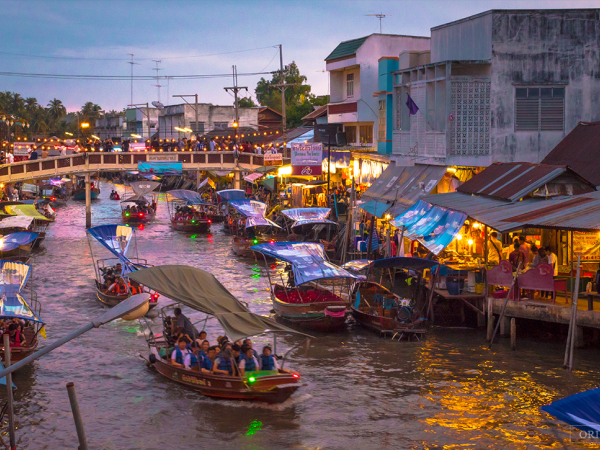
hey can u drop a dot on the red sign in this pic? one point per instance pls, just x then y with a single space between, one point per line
308 171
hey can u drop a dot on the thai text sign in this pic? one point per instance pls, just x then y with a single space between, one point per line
273 159
161 158
584 242
307 159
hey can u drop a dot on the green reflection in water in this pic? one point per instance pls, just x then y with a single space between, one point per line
254 427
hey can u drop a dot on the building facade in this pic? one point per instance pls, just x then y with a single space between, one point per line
353 68
501 86
110 126
210 117
140 122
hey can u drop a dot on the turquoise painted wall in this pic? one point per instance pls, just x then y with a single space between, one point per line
386 83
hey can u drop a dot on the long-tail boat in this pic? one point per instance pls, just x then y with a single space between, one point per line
251 226
117 238
32 220
79 192
15 304
187 211
311 296
310 223
202 292
377 308
137 208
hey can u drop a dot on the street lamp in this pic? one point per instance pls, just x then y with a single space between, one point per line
85 125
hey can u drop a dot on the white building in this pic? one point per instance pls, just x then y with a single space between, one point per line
353 73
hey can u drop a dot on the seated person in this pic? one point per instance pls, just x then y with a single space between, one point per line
223 364
268 361
204 348
181 356
248 343
248 362
16 338
118 288
182 326
207 363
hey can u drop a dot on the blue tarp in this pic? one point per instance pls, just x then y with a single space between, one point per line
116 238
232 194
14 305
306 213
13 276
308 260
15 240
190 197
433 226
3 380
300 223
376 208
160 168
580 410
254 212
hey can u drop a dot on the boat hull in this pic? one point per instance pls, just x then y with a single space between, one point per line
19 353
113 300
216 218
79 194
135 218
200 226
274 388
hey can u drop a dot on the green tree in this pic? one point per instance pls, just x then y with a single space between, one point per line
89 113
56 109
246 102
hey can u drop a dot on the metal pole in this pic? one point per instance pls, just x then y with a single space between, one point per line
9 394
88 200
283 118
148 119
328 169
196 95
77 416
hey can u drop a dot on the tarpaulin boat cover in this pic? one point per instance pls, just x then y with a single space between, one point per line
16 222
15 240
140 189
580 410
232 194
254 212
434 227
25 210
314 222
160 168
201 185
14 305
309 261
306 213
13 276
116 238
201 291
357 265
189 197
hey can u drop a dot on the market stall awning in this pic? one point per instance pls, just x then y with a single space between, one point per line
403 186
16 222
376 208
251 178
434 227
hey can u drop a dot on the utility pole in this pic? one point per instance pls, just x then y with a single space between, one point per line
235 88
282 86
195 106
157 85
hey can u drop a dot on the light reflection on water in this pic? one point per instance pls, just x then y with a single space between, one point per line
449 391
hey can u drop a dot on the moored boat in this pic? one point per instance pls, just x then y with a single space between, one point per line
311 296
312 224
223 198
38 223
202 292
251 226
79 192
187 211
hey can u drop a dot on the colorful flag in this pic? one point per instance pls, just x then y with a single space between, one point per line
412 106
43 331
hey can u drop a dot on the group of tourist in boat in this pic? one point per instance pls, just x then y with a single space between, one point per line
147 208
15 328
188 213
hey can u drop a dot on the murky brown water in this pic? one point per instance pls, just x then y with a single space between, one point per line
361 392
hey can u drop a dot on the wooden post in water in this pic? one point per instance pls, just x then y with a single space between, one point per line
88 200
9 394
490 324
513 333
77 416
568 363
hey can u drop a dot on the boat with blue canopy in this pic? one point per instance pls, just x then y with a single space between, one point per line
112 274
309 292
79 191
312 223
17 246
19 306
248 224
187 211
137 208
581 411
378 308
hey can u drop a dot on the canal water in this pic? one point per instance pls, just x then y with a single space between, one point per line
361 392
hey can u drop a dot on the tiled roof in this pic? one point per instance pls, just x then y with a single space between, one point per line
346 48
580 150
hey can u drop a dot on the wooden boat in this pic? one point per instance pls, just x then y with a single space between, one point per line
311 299
17 245
248 224
15 276
111 300
187 212
310 223
139 209
79 194
202 292
377 308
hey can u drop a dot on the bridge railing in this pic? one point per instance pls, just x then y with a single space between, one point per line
91 161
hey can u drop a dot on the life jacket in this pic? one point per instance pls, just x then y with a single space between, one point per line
268 362
206 363
179 356
250 364
135 290
225 364
16 339
118 289
194 360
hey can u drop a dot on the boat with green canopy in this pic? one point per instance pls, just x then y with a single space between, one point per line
201 291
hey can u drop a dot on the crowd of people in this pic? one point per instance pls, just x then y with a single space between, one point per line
194 351
187 213
14 327
145 208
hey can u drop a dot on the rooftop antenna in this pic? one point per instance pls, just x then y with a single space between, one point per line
380 16
157 61
132 64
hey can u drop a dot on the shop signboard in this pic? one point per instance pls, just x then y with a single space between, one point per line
584 242
161 158
273 159
307 159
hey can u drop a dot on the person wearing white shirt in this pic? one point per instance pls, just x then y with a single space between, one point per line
181 356
552 260
10 158
212 144
248 362
494 249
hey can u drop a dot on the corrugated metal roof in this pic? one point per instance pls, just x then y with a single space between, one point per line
511 181
403 186
346 48
320 111
581 212
580 150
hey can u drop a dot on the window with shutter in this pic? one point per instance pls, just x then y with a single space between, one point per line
539 109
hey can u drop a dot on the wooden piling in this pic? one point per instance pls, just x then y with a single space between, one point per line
513 333
490 324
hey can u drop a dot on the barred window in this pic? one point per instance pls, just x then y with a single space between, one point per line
220 125
349 85
382 120
539 109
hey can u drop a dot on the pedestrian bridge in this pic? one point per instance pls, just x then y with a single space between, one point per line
113 162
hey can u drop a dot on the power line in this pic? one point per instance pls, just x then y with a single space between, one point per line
78 58
124 77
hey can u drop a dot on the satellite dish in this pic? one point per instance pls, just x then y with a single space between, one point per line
158 105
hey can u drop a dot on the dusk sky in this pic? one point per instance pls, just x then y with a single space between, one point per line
96 38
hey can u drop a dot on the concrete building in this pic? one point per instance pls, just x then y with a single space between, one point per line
210 117
354 76
504 85
110 126
137 121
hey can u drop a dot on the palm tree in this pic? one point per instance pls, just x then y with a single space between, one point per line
56 109
39 120
90 112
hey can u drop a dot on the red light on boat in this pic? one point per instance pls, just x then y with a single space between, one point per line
296 375
209 221
141 226
141 214
155 297
272 241
52 199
